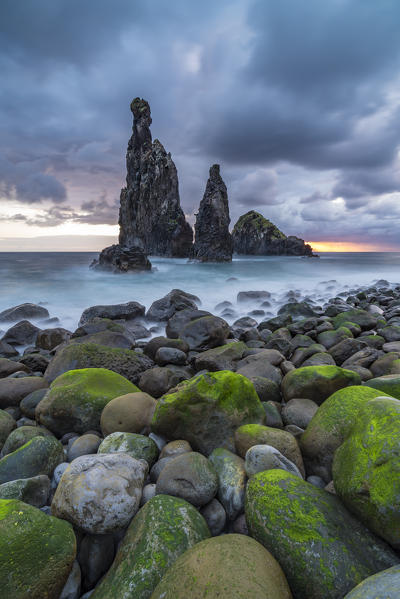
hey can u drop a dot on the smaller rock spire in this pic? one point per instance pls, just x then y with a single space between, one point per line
213 242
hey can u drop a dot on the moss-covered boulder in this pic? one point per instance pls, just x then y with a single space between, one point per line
34 491
221 358
7 425
21 435
76 399
317 382
364 319
39 456
249 435
323 550
139 447
127 363
36 552
390 384
366 468
228 567
207 409
384 585
331 338
232 481
163 529
330 425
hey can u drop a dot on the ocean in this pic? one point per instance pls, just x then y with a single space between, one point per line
65 285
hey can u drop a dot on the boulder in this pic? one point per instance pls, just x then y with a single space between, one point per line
265 457
118 258
390 384
255 434
36 552
125 362
21 435
228 567
330 426
76 399
130 413
205 333
213 241
7 424
139 447
384 585
179 320
323 550
13 391
169 524
299 411
224 357
159 380
317 382
100 493
40 455
8 367
23 311
366 466
364 319
50 338
173 302
156 343
207 409
189 476
85 445
126 311
22 333
232 480
34 490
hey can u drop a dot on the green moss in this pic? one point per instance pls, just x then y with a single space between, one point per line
389 383
207 409
366 468
256 221
40 455
76 399
331 338
138 446
164 528
36 552
317 382
361 317
330 425
322 549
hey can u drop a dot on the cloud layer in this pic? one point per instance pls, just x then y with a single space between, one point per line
298 102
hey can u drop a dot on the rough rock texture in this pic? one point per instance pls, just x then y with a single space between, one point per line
227 567
100 493
256 235
118 258
213 242
36 552
323 550
384 585
150 215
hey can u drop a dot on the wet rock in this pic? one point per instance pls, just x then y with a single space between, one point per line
215 516
13 390
22 333
173 302
23 311
50 338
205 333
139 447
119 258
131 413
39 456
126 311
265 457
96 553
213 242
34 490
159 380
232 480
317 382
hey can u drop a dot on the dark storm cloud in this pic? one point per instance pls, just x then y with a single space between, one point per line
250 84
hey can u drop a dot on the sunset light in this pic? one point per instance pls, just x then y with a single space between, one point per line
348 246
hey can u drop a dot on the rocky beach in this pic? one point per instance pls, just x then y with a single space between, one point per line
251 459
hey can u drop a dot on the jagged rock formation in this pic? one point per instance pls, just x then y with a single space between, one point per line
122 259
150 214
253 234
213 242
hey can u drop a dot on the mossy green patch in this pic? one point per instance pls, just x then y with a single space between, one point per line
39 456
259 223
317 382
329 427
364 319
76 399
207 409
36 552
366 468
163 529
323 550
389 384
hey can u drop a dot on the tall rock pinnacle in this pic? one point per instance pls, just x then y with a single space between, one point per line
213 242
150 214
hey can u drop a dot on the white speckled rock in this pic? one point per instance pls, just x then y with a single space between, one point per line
100 493
265 457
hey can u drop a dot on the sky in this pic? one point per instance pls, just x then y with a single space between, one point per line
297 101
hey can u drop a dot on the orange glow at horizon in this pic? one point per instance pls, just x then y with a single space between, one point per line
347 246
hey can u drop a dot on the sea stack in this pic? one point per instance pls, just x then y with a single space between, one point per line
150 215
213 242
255 235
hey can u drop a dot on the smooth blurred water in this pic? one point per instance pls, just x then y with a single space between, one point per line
64 283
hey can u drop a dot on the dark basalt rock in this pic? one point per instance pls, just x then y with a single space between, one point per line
150 214
213 242
253 234
118 258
